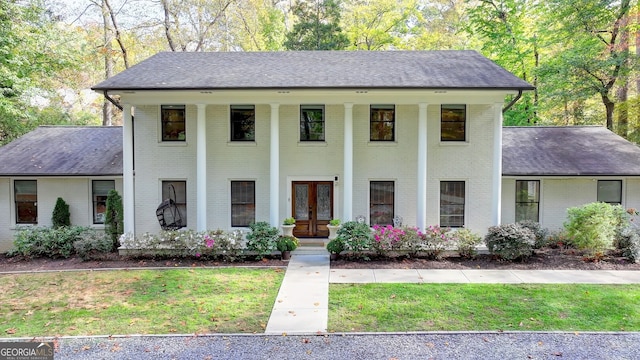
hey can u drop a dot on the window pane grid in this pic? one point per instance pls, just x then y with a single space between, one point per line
527 200
243 119
610 191
242 203
26 201
381 202
173 123
100 189
382 123
453 122
311 123
452 202
181 196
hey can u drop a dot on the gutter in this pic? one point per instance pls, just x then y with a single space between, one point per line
111 100
509 105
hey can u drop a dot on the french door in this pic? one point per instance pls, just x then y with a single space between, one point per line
312 207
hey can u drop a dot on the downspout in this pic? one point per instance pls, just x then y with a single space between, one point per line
111 100
509 105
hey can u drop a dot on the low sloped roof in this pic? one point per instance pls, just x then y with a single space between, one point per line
447 69
571 150
64 151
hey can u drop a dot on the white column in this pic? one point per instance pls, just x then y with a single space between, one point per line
274 168
347 183
421 214
128 191
201 169
496 205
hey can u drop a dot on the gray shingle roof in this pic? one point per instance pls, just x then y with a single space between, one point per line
573 150
64 151
448 69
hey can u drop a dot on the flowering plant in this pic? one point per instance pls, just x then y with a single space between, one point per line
387 238
435 240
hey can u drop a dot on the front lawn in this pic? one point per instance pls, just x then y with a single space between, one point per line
459 307
226 300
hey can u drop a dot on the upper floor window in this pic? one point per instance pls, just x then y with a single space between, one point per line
528 200
26 198
452 200
453 119
173 123
610 191
100 190
382 123
243 123
180 188
243 203
381 202
312 123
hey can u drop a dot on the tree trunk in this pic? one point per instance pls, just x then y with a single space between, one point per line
107 107
610 107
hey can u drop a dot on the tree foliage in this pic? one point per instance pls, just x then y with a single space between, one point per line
32 55
114 217
61 215
581 55
317 28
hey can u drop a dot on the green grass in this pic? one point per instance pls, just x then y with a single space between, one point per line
452 307
229 300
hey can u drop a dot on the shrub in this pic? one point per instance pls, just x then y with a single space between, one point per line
289 221
335 246
262 238
435 240
411 240
356 236
61 215
593 227
286 243
47 242
334 222
510 241
386 238
539 232
227 246
628 241
466 242
114 215
93 245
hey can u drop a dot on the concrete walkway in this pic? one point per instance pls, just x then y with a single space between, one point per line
301 306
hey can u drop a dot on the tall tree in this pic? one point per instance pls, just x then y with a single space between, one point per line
195 25
589 56
317 28
33 49
508 34
377 24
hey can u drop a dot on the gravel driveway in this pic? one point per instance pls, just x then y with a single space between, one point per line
489 345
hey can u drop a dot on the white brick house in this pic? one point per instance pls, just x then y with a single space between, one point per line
316 135
247 137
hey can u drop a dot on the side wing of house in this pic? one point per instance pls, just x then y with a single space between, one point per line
78 164
550 169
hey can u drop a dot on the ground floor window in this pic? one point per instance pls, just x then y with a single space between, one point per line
610 191
100 190
528 200
243 203
381 202
180 188
26 199
452 199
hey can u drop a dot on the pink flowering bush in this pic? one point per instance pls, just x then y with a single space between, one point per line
436 240
387 238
